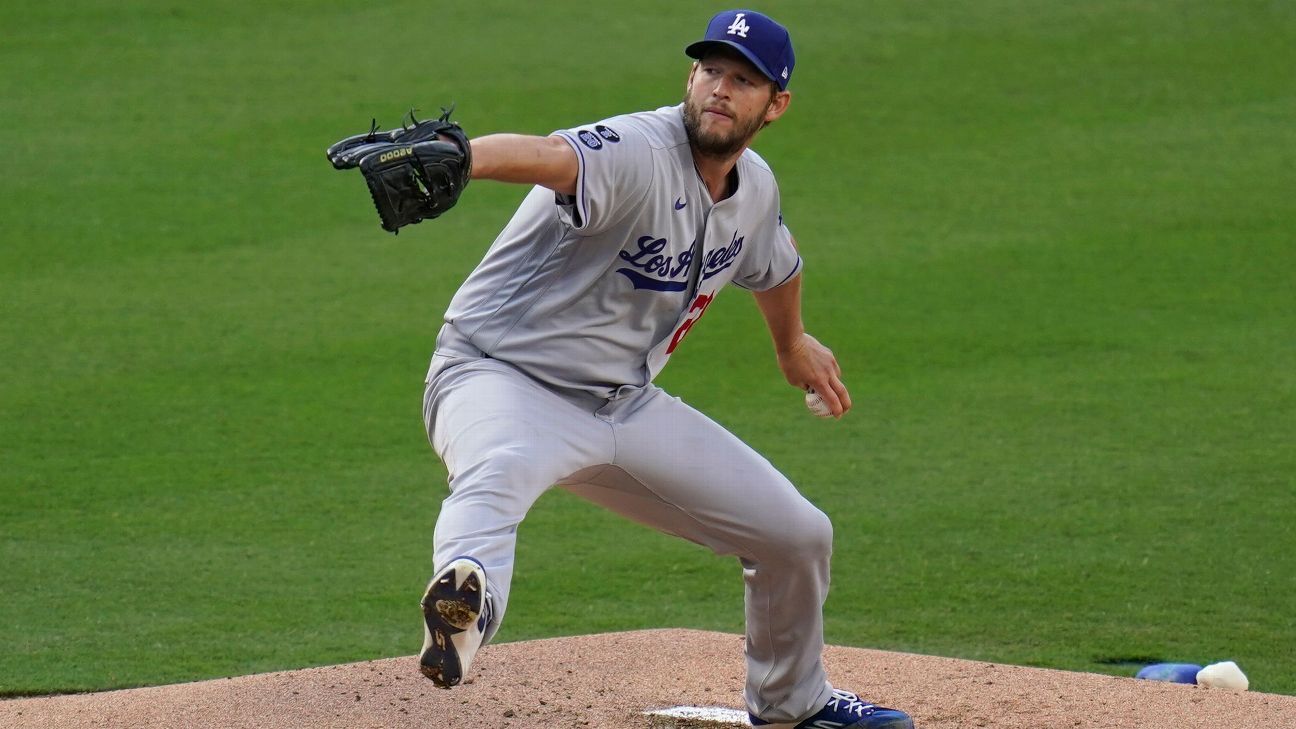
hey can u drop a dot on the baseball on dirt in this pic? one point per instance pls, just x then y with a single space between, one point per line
817 405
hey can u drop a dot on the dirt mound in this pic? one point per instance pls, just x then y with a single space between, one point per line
610 680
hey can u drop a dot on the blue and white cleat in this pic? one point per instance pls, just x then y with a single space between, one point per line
456 611
845 710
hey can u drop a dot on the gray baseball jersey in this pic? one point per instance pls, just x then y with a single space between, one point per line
593 291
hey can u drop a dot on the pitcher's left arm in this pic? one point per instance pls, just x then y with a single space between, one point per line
805 362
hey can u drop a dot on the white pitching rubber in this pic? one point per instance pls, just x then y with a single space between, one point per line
698 717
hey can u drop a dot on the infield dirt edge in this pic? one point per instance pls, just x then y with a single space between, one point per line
609 680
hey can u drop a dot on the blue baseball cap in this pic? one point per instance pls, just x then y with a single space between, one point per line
758 37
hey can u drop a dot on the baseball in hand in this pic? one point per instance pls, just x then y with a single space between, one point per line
817 405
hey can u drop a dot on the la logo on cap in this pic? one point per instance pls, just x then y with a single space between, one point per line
739 26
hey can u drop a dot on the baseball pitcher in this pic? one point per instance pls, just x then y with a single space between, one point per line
543 371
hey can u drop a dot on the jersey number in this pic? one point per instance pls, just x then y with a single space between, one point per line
700 305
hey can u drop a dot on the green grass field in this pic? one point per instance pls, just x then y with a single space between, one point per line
1052 244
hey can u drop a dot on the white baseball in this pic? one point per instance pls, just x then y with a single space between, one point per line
817 405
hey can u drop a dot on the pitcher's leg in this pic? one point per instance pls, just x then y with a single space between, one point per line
732 499
505 439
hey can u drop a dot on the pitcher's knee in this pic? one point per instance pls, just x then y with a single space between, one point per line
488 498
817 535
804 536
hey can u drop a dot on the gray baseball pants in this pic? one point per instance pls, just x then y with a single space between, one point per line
506 438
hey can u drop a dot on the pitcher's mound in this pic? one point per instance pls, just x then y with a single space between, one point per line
612 680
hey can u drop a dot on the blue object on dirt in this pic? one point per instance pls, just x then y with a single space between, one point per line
1172 672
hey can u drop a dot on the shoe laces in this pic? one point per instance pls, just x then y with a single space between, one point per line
487 612
850 703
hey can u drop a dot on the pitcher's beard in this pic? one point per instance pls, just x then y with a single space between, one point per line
718 144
